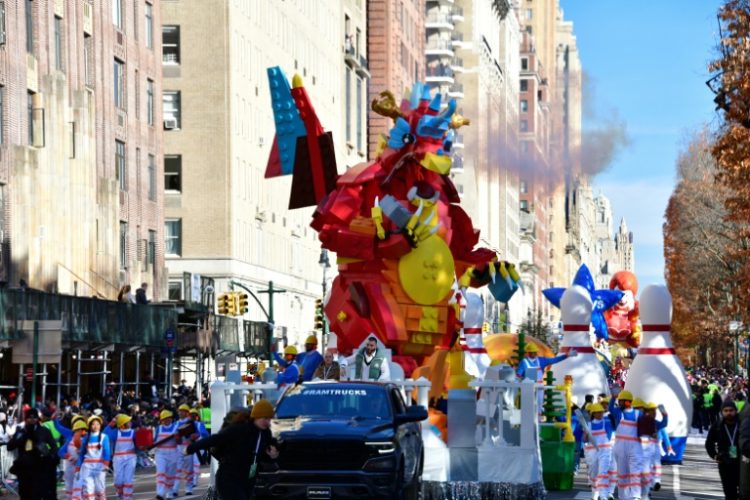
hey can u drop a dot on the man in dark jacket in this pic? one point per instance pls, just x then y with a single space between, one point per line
722 445
140 294
37 460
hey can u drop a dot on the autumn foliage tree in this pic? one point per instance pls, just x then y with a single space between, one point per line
701 240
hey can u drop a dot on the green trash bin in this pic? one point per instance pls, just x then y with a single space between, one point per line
558 463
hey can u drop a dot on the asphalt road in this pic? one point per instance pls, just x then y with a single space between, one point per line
697 478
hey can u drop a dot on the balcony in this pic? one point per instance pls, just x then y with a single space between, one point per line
457 14
457 91
439 74
439 48
457 166
457 39
438 21
87 320
350 51
457 65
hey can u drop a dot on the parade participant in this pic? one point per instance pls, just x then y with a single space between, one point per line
369 363
627 451
240 448
93 460
205 410
532 360
290 375
722 445
185 469
647 432
328 369
311 359
599 452
60 433
124 457
37 459
166 455
69 454
200 429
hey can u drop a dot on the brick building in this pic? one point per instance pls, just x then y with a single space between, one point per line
80 154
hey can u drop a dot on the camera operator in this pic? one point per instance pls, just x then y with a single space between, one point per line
37 459
722 445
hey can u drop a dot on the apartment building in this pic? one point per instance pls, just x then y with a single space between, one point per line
80 159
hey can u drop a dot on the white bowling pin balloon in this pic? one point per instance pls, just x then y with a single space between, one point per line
586 370
657 375
476 356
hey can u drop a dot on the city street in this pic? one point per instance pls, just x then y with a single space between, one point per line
697 477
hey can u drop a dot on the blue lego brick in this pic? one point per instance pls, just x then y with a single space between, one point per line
289 125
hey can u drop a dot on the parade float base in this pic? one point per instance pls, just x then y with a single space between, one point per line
558 464
460 490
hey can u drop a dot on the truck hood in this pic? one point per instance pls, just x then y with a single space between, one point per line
332 428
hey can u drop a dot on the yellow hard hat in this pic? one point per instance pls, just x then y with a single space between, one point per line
531 348
650 406
625 396
194 411
595 408
77 418
92 419
638 403
80 425
183 407
122 419
165 414
290 350
262 409
311 339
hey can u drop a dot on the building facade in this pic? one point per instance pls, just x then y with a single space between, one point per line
80 164
395 46
223 219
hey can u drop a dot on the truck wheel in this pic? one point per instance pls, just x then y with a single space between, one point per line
413 490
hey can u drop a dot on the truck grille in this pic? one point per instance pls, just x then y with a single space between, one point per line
322 455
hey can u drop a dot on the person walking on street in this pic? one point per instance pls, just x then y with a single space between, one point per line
69 454
328 369
93 460
37 459
185 469
722 445
124 458
166 455
241 448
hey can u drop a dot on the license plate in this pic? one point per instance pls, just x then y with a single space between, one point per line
318 492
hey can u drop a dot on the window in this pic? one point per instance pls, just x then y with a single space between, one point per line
150 101
151 253
524 188
149 28
88 60
173 236
123 245
137 80
175 290
524 205
152 177
30 116
171 105
524 105
119 75
173 173
117 13
58 44
524 85
524 146
524 63
29 26
135 20
524 125
529 13
170 44
359 114
120 164
2 22
2 114
348 104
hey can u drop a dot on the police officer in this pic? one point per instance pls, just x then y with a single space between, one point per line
37 460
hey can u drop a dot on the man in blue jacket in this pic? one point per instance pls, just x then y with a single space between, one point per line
290 375
310 359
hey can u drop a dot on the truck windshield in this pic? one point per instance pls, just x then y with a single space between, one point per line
335 402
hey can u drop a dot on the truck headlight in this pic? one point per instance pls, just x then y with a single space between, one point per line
383 447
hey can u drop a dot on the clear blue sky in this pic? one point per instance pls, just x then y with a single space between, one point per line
647 60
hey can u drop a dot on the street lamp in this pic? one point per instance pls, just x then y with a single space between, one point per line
325 263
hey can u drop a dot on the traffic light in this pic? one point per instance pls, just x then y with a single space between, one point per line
242 303
319 318
232 304
486 327
222 303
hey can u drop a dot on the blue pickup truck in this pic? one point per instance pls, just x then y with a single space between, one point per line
345 440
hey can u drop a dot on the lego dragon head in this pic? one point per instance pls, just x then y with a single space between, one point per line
423 129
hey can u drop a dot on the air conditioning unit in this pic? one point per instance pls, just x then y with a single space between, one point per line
170 123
